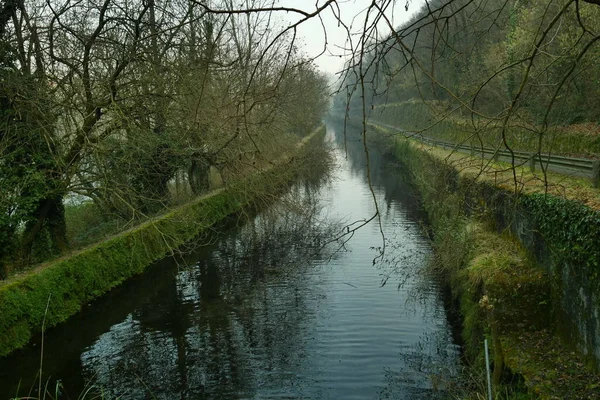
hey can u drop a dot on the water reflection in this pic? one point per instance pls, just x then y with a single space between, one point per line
232 322
272 311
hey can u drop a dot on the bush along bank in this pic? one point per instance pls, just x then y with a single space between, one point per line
51 294
511 266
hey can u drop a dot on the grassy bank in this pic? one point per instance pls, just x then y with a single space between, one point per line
437 120
508 290
53 292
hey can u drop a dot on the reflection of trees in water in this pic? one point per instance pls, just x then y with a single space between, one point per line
223 325
435 356
405 251
387 174
430 369
352 143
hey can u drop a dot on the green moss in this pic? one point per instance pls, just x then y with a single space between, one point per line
490 274
65 285
68 284
517 290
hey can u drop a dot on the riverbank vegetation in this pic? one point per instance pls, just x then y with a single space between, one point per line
110 115
505 290
51 293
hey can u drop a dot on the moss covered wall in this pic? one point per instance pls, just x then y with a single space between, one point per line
561 237
64 286
565 237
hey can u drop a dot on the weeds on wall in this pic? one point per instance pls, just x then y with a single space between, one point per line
497 287
571 229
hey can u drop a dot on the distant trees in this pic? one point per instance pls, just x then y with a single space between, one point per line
504 74
115 100
530 63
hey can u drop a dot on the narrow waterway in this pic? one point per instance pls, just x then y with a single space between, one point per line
270 309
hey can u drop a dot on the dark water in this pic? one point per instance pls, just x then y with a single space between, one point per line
267 311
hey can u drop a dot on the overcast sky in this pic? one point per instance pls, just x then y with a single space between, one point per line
353 13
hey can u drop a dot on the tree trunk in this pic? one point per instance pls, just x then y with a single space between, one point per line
51 214
198 176
57 226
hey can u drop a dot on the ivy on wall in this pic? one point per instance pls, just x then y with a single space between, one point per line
570 229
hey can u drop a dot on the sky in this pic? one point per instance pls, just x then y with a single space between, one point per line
353 13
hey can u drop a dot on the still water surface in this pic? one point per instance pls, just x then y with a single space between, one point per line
267 311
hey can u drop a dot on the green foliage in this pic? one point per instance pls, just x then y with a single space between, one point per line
487 55
570 229
29 171
434 119
88 224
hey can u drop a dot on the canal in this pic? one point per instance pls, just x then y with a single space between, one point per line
272 307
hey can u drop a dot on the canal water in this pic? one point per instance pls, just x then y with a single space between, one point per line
274 307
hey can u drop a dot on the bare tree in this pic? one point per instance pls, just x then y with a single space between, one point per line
117 99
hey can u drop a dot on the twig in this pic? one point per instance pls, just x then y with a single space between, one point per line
42 345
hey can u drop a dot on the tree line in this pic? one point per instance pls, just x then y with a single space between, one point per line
116 101
511 67
537 59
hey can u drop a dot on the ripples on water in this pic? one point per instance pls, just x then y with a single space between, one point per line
268 312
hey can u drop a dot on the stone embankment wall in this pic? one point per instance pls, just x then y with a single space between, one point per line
561 237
